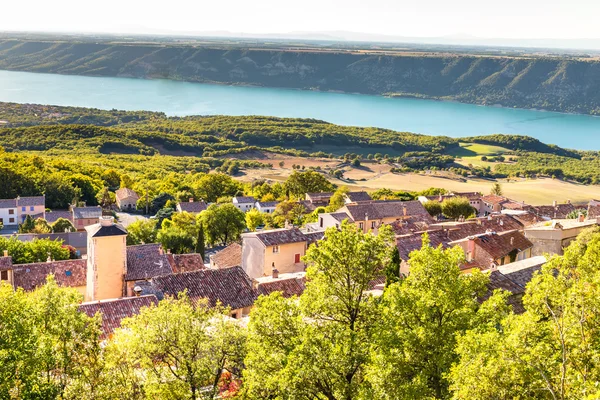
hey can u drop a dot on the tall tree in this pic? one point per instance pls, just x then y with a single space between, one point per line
421 318
201 242
552 350
319 347
456 207
300 183
223 223
496 189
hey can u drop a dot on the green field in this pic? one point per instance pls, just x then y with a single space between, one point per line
476 149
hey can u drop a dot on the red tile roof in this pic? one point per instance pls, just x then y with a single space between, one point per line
383 209
186 262
230 256
477 226
231 286
560 211
145 261
124 193
593 211
288 287
280 236
492 246
114 311
70 273
409 243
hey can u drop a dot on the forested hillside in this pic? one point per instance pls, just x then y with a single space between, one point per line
567 85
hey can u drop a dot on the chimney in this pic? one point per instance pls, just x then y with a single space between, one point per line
49 259
106 221
137 291
160 250
569 201
404 210
5 253
471 248
581 217
554 203
191 199
512 240
168 251
275 273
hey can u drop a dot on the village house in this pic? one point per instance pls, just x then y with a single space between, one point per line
318 199
291 284
408 243
266 206
491 249
355 197
85 216
230 256
552 237
8 212
244 203
126 199
371 215
555 211
280 249
494 204
191 206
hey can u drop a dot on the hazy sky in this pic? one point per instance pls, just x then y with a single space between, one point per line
483 18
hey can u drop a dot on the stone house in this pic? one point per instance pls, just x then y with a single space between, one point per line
86 216
126 199
192 207
553 236
244 203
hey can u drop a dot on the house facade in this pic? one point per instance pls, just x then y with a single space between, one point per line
552 237
85 216
491 249
244 203
191 206
266 206
8 212
126 199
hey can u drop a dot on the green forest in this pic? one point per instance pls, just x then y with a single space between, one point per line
550 83
435 334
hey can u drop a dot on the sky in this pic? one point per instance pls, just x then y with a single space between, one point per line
561 19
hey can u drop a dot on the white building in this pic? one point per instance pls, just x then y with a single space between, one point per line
244 203
8 212
266 206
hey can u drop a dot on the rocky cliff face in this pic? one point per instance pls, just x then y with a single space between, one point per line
552 84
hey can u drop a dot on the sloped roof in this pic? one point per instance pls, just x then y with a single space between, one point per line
498 246
494 199
522 271
230 256
69 273
99 230
267 204
193 206
358 196
500 281
383 209
560 211
495 223
145 261
87 212
288 287
31 201
8 203
186 262
528 219
412 224
124 193
277 237
6 263
409 243
319 197
231 286
114 311
593 211
53 216
244 199
313 237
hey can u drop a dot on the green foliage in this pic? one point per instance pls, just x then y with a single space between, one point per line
62 225
141 232
456 207
434 208
175 239
392 269
338 200
300 183
223 223
496 189
253 219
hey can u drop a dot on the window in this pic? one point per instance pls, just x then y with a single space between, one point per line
1 220
23 208
11 220
321 222
361 226
4 276
372 224
11 212
297 258
31 208
275 249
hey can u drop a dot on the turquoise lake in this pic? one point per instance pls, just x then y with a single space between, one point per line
412 115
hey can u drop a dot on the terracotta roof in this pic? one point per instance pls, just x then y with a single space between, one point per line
230 256
477 226
468 195
114 311
193 206
6 263
280 236
145 261
186 262
500 281
124 193
31 201
52 216
494 199
87 212
496 246
407 244
313 237
70 273
593 211
288 287
358 196
527 219
231 286
383 209
380 280
551 212
413 224
8 203
244 199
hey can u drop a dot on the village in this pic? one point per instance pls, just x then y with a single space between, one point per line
510 240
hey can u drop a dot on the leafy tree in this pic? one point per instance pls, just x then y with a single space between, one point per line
300 183
319 347
159 202
496 189
421 317
141 231
28 225
434 208
176 239
201 241
182 348
212 186
59 191
392 269
338 199
62 225
112 179
41 226
223 223
551 350
456 207
253 219
106 198
575 213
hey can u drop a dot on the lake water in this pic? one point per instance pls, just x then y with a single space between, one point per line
412 115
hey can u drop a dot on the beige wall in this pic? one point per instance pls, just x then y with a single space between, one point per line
552 241
107 262
284 260
36 210
80 224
